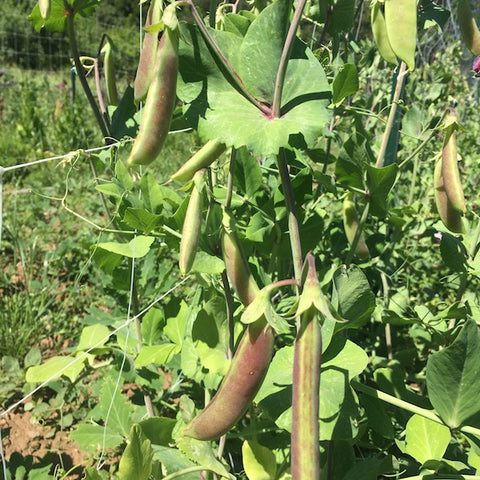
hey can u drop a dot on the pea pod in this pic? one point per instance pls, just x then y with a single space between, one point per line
240 385
450 217
350 223
306 383
192 225
44 6
109 71
401 24
252 357
146 64
160 103
236 264
379 30
202 159
468 26
450 173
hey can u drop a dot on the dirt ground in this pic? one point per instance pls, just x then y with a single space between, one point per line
28 443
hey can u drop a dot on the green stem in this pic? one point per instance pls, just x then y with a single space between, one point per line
287 51
429 414
391 116
82 77
293 228
235 77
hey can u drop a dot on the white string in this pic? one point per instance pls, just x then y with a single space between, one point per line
86 352
58 157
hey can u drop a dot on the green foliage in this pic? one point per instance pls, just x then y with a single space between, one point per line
398 377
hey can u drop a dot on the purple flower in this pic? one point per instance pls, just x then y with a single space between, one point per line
476 66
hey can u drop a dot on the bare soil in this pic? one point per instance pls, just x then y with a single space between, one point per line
28 443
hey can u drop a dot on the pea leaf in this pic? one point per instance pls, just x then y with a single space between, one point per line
136 461
452 378
426 439
345 83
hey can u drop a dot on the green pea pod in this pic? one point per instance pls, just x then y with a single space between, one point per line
450 173
236 264
240 385
401 24
468 26
379 30
109 71
305 450
350 223
192 225
202 159
450 217
160 103
146 64
44 6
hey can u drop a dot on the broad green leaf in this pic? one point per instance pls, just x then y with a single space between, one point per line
142 220
345 83
158 430
152 195
220 112
379 182
210 336
258 461
453 252
157 354
55 367
123 176
378 418
123 123
115 406
174 461
136 461
452 378
426 439
205 263
370 468
55 22
341 16
259 227
356 301
236 23
92 437
262 48
339 413
152 326
111 189
93 336
175 326
137 247
202 454
248 174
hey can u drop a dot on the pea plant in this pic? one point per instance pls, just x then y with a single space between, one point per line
302 294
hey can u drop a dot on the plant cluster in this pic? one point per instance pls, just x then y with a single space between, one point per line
299 299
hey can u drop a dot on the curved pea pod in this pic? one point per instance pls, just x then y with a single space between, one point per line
202 159
192 225
236 263
379 30
160 103
350 223
240 385
468 26
401 24
44 6
146 64
450 217
450 173
109 72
